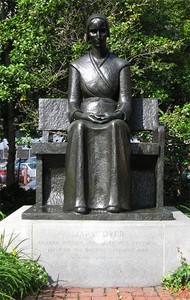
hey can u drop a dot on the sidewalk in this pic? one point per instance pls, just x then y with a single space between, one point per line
119 293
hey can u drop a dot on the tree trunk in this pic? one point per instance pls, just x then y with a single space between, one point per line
11 143
9 112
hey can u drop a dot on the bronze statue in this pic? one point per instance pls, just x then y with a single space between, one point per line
98 150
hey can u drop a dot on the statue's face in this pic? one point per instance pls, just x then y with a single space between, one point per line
98 32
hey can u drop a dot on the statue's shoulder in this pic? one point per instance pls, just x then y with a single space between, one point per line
80 62
113 61
119 62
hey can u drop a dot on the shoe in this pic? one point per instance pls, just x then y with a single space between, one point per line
113 209
80 210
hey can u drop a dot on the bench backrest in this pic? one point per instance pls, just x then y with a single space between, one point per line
53 114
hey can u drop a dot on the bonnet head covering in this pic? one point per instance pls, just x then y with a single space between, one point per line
92 17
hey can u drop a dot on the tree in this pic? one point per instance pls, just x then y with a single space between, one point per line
30 64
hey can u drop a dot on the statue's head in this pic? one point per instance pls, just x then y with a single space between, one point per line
92 23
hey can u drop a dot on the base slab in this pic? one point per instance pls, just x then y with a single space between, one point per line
103 253
53 212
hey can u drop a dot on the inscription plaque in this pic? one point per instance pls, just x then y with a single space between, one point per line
101 250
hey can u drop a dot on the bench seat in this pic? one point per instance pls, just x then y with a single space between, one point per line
60 148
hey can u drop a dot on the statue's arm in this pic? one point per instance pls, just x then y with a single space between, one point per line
74 92
124 102
75 98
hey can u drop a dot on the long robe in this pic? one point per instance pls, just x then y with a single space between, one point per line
98 155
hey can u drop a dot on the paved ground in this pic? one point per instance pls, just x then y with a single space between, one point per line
120 293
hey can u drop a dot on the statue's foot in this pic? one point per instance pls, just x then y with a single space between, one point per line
113 209
80 210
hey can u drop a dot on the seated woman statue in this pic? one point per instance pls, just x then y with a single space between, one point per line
98 150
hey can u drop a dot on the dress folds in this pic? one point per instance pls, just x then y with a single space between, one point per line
98 155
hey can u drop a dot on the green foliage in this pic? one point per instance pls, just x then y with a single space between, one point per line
7 242
177 147
185 210
18 277
180 278
177 122
2 215
26 140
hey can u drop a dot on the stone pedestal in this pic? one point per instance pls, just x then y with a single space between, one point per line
89 253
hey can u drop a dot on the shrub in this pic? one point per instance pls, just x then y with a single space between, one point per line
180 278
18 276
